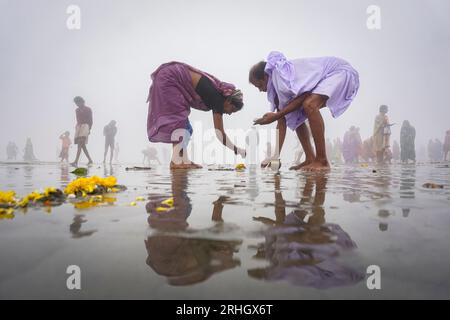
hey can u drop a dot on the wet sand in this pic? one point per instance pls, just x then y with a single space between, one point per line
233 235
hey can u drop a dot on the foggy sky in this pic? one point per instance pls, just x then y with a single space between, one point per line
44 65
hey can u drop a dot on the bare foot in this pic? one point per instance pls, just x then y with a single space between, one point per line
301 165
317 165
189 165
74 164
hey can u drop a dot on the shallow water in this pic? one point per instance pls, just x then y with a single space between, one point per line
233 235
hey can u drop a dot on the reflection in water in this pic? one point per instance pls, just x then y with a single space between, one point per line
28 175
185 259
75 227
301 247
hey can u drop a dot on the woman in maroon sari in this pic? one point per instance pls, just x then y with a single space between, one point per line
177 87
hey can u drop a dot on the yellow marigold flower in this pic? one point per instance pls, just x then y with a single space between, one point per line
8 197
240 166
162 209
6 213
140 199
133 204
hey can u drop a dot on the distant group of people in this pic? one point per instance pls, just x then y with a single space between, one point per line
12 151
377 148
84 122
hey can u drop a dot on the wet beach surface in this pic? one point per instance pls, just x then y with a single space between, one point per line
233 235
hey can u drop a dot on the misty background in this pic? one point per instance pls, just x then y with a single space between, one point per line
109 60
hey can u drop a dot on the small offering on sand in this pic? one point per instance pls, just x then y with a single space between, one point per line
240 167
430 185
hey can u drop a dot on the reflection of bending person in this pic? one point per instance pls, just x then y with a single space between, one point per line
184 260
305 252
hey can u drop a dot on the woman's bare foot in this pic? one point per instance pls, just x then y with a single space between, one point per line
301 165
189 165
317 165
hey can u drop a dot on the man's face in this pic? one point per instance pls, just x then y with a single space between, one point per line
261 84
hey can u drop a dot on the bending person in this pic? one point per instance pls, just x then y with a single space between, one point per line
175 89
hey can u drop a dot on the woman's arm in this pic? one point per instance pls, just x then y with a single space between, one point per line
222 136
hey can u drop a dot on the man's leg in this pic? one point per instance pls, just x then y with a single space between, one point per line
86 153
312 106
75 163
305 140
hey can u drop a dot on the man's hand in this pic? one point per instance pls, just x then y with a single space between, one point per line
267 118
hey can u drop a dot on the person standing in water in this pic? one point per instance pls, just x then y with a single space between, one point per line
297 90
446 144
82 129
66 142
109 131
177 87
407 146
28 154
381 133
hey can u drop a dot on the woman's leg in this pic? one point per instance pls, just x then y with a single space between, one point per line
180 158
312 106
305 140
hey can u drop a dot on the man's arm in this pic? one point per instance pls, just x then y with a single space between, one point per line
293 105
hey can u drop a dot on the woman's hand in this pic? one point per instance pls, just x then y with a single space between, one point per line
267 118
241 152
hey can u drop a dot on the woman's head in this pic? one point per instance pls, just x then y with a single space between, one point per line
258 77
233 102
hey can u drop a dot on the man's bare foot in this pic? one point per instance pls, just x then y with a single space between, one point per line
74 164
317 165
301 165
189 165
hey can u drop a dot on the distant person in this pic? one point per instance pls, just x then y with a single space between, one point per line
407 142
430 149
82 129
28 151
66 142
438 150
337 150
11 151
109 131
381 134
150 154
352 145
446 147
395 151
368 151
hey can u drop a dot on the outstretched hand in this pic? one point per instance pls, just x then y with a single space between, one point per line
267 118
